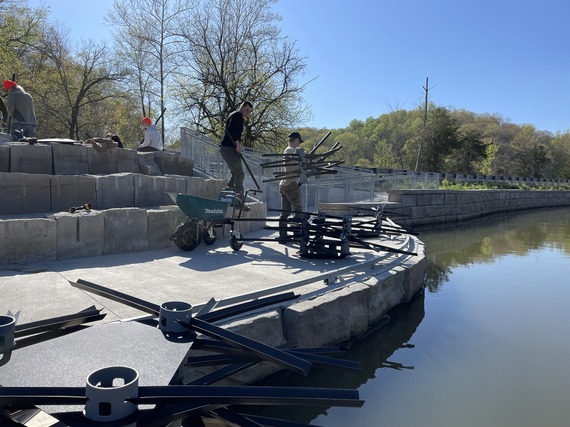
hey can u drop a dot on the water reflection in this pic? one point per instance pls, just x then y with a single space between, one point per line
485 239
487 343
373 352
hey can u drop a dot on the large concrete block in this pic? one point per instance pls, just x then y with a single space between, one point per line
27 240
22 193
72 190
212 188
4 158
103 162
28 158
161 225
80 234
386 292
194 186
147 165
166 161
330 318
173 184
115 191
128 161
126 230
69 159
172 163
149 190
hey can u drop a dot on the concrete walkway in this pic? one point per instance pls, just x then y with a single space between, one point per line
40 291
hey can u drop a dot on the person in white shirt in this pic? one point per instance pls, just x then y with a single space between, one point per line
152 139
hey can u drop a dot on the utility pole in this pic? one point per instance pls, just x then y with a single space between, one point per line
426 89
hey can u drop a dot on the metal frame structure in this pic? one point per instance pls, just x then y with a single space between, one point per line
193 402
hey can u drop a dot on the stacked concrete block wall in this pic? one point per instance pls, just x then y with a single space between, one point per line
25 193
78 159
65 235
501 179
422 207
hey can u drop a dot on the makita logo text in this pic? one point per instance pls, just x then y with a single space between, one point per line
213 211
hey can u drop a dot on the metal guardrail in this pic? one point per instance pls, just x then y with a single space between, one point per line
347 185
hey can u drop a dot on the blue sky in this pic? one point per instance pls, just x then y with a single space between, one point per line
370 57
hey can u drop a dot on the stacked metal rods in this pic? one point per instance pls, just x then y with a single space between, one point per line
307 164
328 236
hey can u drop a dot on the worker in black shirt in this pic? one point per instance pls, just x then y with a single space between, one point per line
231 147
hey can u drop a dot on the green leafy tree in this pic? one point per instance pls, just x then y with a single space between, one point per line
469 154
438 140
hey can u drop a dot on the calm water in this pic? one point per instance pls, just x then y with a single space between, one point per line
486 345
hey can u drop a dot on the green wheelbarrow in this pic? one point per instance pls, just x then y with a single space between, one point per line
204 216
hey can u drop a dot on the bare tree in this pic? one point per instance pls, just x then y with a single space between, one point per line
68 84
235 52
147 36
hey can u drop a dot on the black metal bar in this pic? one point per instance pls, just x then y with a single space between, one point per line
377 247
274 422
318 144
90 314
261 350
25 396
326 361
189 394
233 310
247 395
126 299
235 418
218 359
208 307
222 373
250 172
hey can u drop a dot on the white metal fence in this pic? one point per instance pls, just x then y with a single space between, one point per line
347 185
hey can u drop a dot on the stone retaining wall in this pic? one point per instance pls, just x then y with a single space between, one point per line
422 207
330 317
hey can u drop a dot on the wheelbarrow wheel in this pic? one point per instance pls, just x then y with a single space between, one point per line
235 244
209 236
186 236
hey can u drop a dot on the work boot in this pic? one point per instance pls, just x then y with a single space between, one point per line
283 239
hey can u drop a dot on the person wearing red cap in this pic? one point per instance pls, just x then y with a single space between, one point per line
20 107
152 139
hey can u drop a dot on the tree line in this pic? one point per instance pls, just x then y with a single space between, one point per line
191 62
194 61
452 141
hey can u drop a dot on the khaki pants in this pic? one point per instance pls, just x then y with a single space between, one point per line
291 200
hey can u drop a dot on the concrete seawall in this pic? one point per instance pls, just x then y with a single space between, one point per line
330 314
429 207
423 207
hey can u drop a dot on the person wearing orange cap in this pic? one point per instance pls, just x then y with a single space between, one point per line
20 107
152 139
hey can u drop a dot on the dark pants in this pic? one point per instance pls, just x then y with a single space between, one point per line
147 149
233 160
291 201
26 129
